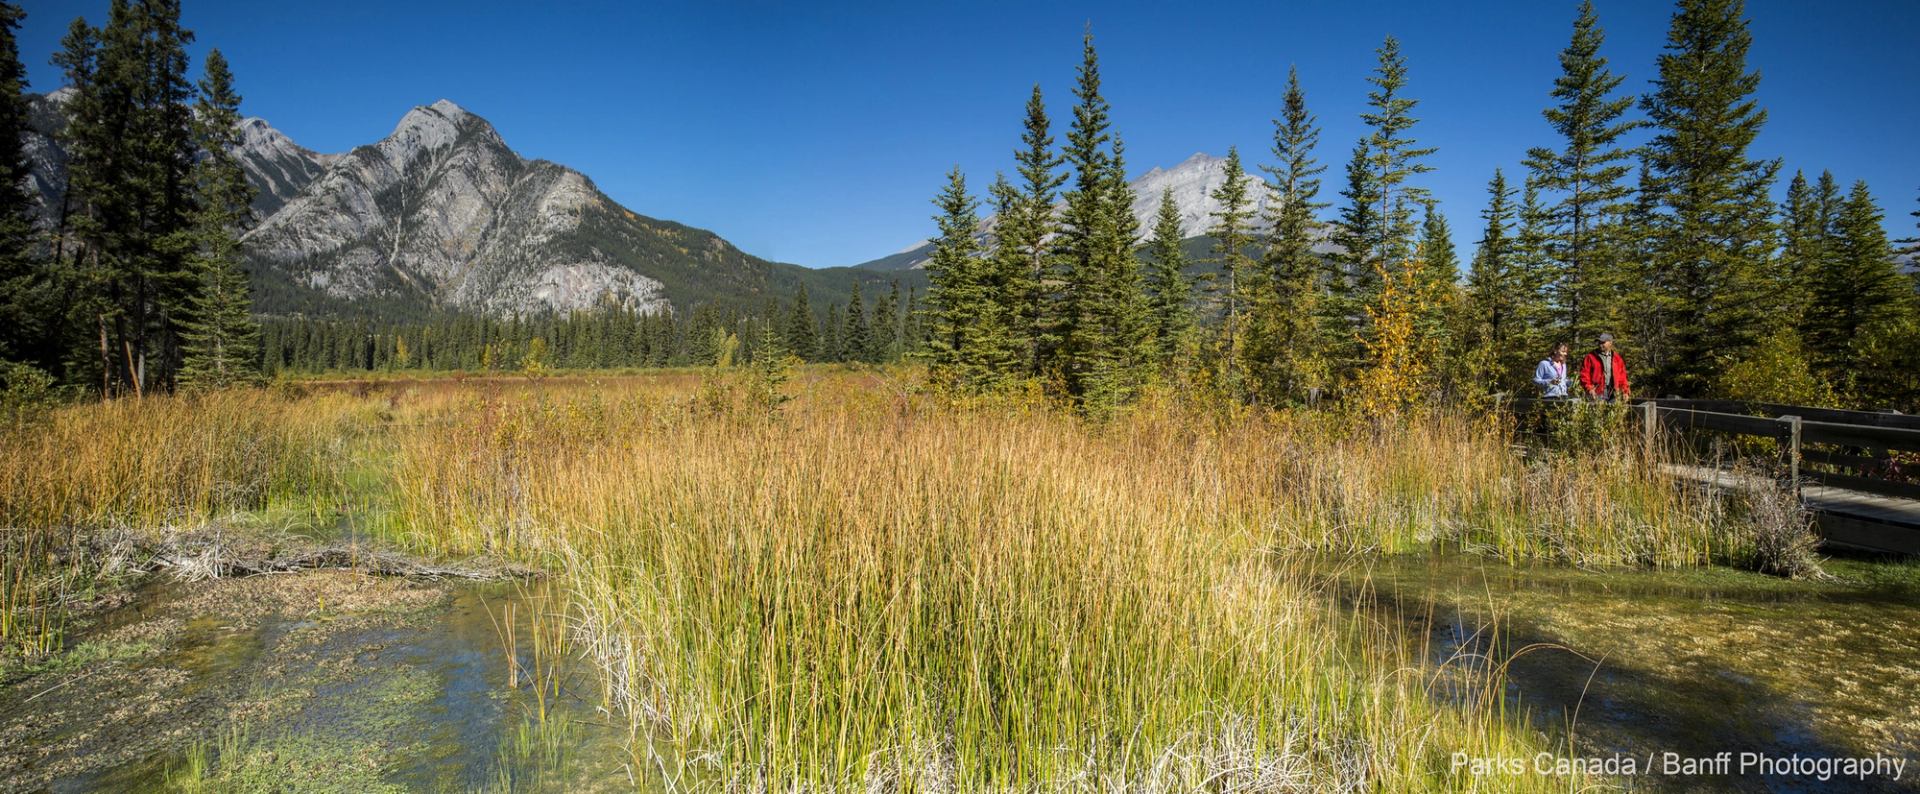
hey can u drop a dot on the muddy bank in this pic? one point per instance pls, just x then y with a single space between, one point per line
329 680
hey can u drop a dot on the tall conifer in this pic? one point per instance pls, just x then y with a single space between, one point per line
1167 281
1585 175
1299 324
222 339
1713 233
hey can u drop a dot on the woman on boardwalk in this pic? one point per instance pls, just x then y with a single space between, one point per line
1551 374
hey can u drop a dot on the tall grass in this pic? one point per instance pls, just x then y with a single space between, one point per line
880 587
146 464
873 587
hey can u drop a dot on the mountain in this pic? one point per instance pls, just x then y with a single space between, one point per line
1193 182
442 214
277 167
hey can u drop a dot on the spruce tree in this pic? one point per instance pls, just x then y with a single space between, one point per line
24 333
832 348
1533 278
1378 230
1172 296
1493 294
1084 225
859 336
1713 233
221 337
1026 240
1803 240
1231 238
802 329
886 327
1857 288
968 346
1442 268
130 215
1107 334
1297 327
1585 173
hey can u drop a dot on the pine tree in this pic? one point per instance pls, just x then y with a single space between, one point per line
1442 269
1231 240
1378 231
1803 242
802 328
859 337
1494 295
1857 288
222 339
1026 240
968 346
1299 325
24 333
886 327
1167 282
1585 173
1713 233
1107 325
130 210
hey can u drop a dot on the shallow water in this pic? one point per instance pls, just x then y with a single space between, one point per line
312 681
1690 662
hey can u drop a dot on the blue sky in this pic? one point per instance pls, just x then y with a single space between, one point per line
816 133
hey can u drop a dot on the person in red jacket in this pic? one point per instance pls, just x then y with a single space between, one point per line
1603 373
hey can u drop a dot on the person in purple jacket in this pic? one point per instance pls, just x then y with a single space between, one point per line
1551 374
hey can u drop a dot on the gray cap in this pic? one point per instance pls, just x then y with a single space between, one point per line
1606 337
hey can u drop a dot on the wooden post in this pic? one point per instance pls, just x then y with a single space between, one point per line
1649 427
1790 451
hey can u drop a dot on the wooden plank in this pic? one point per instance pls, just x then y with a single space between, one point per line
1840 416
1859 533
1790 452
1809 413
1856 462
1872 485
1860 436
1726 423
1883 509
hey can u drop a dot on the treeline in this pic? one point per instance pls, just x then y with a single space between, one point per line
1672 244
711 334
135 285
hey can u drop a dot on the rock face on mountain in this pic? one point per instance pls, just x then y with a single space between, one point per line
277 167
443 215
1193 182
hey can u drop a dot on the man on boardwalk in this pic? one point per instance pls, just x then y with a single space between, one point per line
1603 373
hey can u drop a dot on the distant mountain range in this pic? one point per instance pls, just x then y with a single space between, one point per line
442 215
1193 183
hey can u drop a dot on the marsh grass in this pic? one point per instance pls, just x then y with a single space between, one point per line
144 465
876 587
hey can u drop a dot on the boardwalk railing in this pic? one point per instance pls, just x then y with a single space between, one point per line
1855 450
1875 456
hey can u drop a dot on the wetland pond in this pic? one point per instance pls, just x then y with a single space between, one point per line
338 681
312 681
1692 661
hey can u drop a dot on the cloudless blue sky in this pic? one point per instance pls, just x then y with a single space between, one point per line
817 133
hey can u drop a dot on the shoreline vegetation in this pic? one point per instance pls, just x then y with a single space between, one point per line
869 582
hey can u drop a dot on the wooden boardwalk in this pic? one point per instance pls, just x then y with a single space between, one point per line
1853 468
1850 519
